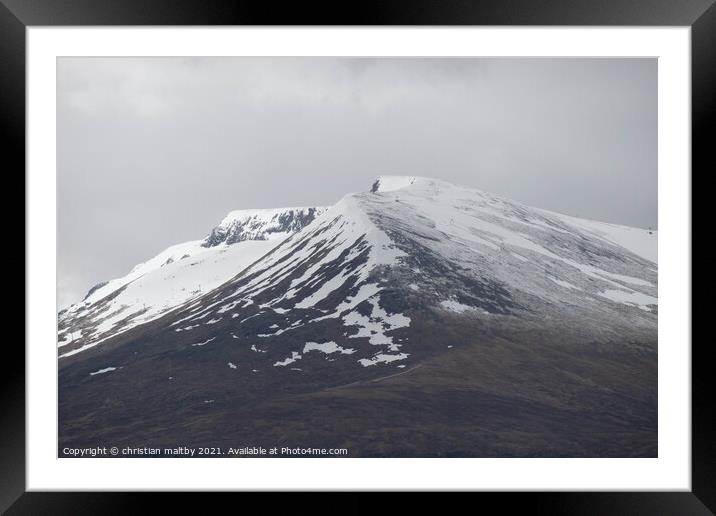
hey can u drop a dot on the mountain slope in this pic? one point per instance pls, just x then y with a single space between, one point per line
176 275
476 308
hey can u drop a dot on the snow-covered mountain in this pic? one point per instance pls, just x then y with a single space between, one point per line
385 286
271 224
176 275
373 260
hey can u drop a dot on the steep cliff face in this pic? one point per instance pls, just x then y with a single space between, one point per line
242 225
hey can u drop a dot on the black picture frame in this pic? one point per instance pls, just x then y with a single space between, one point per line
16 15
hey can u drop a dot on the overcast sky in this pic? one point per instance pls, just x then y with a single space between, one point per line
153 152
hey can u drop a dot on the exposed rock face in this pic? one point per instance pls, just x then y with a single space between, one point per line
260 225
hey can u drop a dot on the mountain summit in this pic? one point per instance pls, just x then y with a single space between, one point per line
242 225
417 301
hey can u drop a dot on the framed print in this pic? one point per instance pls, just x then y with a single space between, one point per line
445 249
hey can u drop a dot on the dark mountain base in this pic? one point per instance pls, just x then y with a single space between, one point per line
484 397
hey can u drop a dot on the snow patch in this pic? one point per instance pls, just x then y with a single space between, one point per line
453 305
105 370
630 298
203 343
327 347
289 360
375 326
382 358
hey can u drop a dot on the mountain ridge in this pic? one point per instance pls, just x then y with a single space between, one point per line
266 228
